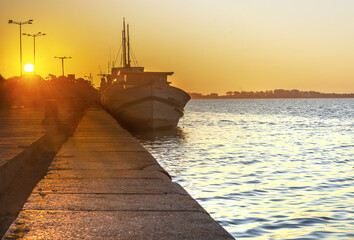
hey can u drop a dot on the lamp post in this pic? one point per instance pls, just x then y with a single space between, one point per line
20 24
62 63
34 46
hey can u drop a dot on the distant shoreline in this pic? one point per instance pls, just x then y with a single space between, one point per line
271 94
222 98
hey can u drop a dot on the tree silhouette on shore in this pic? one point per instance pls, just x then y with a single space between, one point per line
277 93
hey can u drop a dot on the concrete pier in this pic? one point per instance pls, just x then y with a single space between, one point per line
104 185
20 130
29 139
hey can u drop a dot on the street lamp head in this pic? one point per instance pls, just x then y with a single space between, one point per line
28 22
24 34
10 21
44 34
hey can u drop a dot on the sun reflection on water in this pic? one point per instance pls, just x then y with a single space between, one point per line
267 169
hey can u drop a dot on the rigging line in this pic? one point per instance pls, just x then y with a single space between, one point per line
118 53
115 60
134 57
122 55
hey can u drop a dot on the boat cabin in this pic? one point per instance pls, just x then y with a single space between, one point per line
135 76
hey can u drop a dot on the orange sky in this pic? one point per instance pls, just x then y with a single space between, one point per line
211 45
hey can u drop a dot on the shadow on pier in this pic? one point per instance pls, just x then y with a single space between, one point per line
15 195
31 165
36 117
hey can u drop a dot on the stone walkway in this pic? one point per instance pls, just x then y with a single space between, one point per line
19 129
104 185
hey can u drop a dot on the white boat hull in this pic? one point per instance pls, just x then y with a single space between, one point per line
146 107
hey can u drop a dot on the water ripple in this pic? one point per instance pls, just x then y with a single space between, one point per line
267 169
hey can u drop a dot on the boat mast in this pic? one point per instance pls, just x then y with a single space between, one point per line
128 46
124 45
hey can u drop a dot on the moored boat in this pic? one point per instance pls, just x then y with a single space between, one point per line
141 100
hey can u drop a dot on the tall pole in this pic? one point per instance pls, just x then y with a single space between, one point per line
21 48
34 54
62 63
128 45
21 23
34 45
124 46
62 66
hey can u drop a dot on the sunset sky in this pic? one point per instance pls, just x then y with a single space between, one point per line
211 45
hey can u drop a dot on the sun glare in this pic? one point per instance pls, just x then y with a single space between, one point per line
29 67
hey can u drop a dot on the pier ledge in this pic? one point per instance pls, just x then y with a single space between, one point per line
104 184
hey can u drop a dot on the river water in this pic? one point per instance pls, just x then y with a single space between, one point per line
266 169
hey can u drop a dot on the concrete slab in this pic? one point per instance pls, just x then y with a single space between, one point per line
19 129
106 160
98 139
20 141
35 224
114 202
9 153
113 145
18 132
96 160
101 186
101 130
83 135
99 156
111 174
108 164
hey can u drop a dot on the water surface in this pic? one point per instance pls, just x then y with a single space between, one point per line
266 169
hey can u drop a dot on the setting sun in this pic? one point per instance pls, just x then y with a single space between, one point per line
29 67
